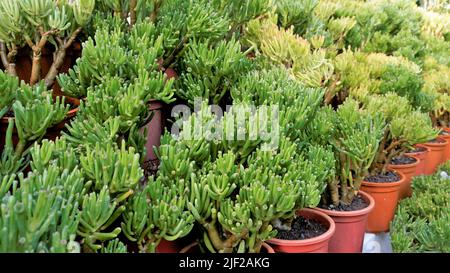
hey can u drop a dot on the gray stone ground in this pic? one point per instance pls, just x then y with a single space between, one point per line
377 243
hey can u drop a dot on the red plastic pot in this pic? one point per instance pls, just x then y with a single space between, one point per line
350 227
436 154
408 170
168 246
386 199
422 156
317 244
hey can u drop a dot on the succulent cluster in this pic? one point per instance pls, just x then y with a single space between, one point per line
319 95
420 224
37 23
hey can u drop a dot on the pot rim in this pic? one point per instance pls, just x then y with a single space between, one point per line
386 184
311 241
427 150
438 144
407 166
354 213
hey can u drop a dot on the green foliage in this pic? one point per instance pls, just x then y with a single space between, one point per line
421 222
211 71
157 212
356 141
98 212
116 169
8 89
295 13
86 132
114 246
405 127
42 215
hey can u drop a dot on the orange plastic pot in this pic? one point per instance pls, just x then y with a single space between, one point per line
408 170
350 227
386 199
446 155
422 156
317 244
436 154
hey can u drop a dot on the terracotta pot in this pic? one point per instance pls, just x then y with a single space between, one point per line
435 156
446 155
386 199
168 246
317 244
408 170
55 131
154 129
194 248
350 227
422 156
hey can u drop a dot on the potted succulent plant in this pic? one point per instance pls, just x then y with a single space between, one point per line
232 214
355 139
133 91
32 109
405 128
33 25
420 152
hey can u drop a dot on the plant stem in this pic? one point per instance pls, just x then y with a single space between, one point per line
37 55
20 148
133 4
168 61
7 59
60 55
213 234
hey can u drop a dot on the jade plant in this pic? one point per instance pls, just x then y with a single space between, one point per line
309 64
404 128
420 224
239 190
158 212
41 215
211 71
35 23
355 140
183 22
238 207
94 71
297 104
32 109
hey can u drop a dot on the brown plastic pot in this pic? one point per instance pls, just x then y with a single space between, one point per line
436 155
386 199
194 248
408 170
422 156
317 244
154 129
446 155
350 227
